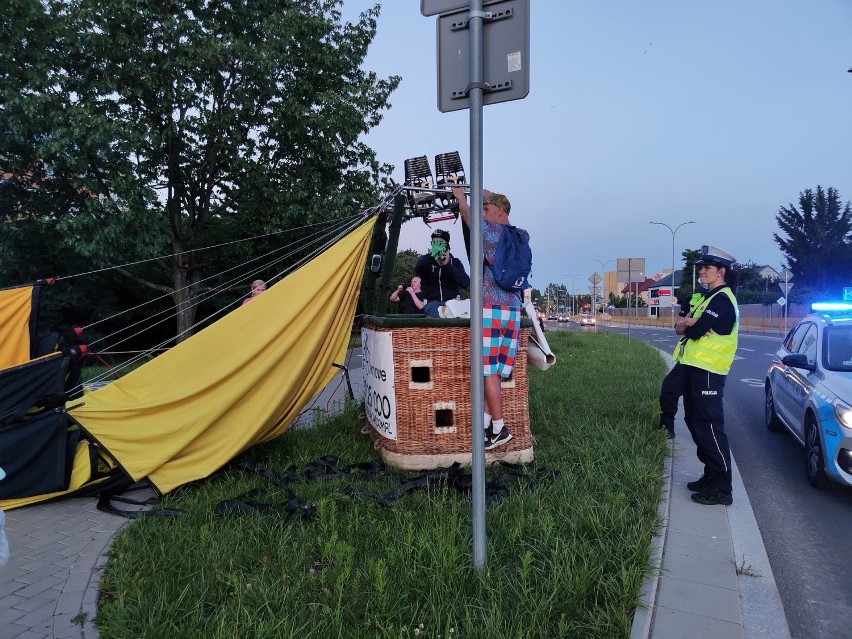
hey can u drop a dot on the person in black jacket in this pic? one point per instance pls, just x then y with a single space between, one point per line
412 298
673 384
442 276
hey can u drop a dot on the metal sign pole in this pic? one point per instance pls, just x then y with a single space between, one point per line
477 380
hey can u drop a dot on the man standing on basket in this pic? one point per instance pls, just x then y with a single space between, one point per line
501 315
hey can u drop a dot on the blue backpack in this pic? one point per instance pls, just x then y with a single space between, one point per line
512 263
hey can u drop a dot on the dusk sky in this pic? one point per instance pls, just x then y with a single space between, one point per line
640 110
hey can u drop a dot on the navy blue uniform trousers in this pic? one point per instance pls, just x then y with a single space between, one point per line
705 418
670 391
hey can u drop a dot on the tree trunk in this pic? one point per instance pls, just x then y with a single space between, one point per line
186 279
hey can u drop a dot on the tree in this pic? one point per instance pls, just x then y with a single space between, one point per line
686 289
144 128
753 287
815 240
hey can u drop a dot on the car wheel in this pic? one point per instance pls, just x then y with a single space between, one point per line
814 457
772 421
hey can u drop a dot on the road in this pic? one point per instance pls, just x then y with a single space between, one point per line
806 532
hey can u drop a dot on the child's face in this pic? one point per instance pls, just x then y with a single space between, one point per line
257 290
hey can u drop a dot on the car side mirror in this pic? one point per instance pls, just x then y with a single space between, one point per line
798 360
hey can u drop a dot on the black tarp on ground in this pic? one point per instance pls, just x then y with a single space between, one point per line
37 454
37 383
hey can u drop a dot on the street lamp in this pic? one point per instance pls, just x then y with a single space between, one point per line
603 276
673 230
574 291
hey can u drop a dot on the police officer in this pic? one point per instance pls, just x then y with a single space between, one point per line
706 352
672 387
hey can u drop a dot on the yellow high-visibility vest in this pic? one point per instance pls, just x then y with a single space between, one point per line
711 352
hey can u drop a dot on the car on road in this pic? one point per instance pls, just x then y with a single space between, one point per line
587 320
808 392
552 316
564 317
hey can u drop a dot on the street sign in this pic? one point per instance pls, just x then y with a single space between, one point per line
673 300
630 269
782 301
785 287
505 56
594 278
435 7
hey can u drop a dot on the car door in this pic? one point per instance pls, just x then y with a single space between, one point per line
782 378
801 381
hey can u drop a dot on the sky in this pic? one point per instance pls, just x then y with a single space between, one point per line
715 111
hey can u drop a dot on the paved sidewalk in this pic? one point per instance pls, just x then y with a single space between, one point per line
48 590
712 579
715 581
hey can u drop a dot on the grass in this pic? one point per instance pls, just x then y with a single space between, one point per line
565 558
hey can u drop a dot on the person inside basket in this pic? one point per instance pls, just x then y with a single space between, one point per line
257 287
412 298
442 276
501 315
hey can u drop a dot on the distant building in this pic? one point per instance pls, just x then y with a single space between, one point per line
768 273
661 295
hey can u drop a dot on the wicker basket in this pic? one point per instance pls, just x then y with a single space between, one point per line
431 365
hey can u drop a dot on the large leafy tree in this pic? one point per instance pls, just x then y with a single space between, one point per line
815 240
149 127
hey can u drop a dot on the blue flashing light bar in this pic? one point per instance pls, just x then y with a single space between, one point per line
822 307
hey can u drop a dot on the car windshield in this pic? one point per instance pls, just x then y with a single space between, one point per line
837 351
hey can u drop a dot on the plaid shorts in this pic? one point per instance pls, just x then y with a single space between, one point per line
500 329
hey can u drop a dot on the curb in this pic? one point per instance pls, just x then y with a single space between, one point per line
643 618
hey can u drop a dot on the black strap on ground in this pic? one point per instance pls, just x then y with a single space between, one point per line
255 503
105 506
107 497
504 476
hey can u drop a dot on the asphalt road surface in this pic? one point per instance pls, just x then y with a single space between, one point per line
807 532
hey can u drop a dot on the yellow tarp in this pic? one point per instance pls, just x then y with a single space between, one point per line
239 382
15 311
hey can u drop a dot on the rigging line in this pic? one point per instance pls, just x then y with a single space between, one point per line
187 304
203 248
322 248
188 286
144 354
173 312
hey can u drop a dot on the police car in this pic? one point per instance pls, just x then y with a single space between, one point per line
809 391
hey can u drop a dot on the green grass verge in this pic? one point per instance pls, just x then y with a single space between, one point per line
565 558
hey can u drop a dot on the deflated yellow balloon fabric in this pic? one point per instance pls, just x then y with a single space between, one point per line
15 311
238 382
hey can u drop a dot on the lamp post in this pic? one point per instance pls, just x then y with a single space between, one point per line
603 279
574 291
673 230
